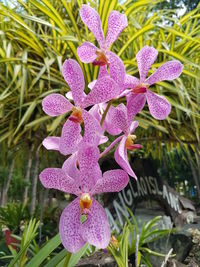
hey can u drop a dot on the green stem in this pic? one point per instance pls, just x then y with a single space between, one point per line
105 112
67 259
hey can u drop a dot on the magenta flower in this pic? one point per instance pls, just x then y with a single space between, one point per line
119 118
159 107
55 104
84 182
89 53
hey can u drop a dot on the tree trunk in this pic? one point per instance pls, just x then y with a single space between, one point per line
34 184
27 177
7 184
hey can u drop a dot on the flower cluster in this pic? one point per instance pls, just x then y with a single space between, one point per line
84 219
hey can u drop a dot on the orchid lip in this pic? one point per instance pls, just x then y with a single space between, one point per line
134 147
74 119
141 88
129 143
76 115
101 59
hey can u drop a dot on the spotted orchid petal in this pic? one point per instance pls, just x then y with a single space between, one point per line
89 168
133 126
118 117
73 76
122 158
145 58
95 112
87 52
112 181
95 230
103 71
130 82
103 140
89 177
70 168
91 18
117 69
116 23
108 123
104 90
51 143
57 179
88 157
135 103
70 137
55 105
92 129
92 84
159 107
168 71
70 227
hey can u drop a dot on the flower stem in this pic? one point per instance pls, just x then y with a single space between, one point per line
67 258
111 146
105 112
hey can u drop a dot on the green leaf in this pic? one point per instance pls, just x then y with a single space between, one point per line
45 252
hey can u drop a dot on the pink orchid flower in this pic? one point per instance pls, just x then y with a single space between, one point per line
159 107
84 182
116 23
55 104
119 118
89 53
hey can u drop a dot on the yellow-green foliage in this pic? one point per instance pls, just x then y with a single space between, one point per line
36 36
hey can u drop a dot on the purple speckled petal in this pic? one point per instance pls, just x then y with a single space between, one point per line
89 177
112 181
130 82
103 71
108 123
89 168
88 157
55 104
168 71
96 229
135 103
116 23
51 142
117 69
73 75
159 107
103 140
122 158
92 129
95 112
118 117
92 84
57 179
87 52
70 168
133 126
70 227
70 137
145 58
91 18
104 90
